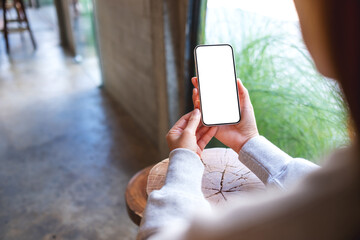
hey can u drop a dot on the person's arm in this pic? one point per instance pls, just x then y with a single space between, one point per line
271 165
171 208
293 214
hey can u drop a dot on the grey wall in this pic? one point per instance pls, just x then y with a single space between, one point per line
141 46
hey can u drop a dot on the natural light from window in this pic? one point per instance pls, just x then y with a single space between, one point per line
296 108
279 9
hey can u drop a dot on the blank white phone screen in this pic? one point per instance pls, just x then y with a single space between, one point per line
217 84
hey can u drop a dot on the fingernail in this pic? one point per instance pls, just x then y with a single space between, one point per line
196 111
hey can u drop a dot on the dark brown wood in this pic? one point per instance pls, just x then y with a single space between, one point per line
21 19
20 6
5 30
136 195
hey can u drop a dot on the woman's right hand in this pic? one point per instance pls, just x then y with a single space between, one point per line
234 136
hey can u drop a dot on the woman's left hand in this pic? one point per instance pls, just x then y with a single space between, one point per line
186 133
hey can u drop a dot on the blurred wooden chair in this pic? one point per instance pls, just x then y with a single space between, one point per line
21 21
225 180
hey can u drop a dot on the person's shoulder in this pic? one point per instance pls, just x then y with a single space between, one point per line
343 157
340 168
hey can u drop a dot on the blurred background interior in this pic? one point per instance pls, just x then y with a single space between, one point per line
87 101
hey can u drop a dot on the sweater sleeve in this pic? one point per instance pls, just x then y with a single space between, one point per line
171 208
273 166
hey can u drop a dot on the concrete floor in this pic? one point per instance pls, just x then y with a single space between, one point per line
66 150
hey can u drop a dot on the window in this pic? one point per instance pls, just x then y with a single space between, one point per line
296 108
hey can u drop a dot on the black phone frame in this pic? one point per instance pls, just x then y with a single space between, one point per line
198 78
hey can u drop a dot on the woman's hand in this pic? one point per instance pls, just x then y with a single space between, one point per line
186 133
234 136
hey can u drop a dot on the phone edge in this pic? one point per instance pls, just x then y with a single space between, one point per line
237 89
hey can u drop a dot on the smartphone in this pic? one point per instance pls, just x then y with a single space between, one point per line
219 98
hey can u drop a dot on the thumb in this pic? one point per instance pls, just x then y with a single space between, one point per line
245 102
193 121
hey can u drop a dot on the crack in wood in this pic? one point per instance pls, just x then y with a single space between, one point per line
223 177
215 189
235 188
238 188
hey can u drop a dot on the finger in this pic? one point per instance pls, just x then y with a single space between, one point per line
182 122
243 96
194 93
196 98
201 131
193 121
197 104
205 139
194 81
198 151
200 125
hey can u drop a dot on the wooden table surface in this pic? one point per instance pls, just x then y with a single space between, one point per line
136 195
225 180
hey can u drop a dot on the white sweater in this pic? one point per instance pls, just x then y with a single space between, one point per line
324 205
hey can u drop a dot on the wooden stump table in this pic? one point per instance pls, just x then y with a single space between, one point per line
225 179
